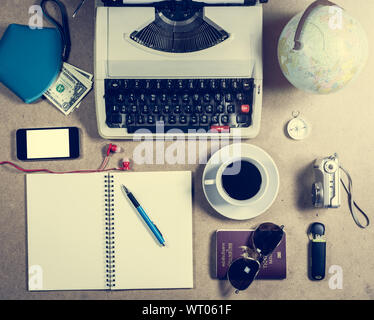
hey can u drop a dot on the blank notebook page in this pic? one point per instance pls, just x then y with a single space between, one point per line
140 261
65 224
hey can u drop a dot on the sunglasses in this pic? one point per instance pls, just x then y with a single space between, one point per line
264 241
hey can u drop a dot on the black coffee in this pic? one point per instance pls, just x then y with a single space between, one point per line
241 180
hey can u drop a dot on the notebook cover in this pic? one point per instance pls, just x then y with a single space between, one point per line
229 245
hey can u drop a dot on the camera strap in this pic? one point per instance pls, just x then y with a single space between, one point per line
352 204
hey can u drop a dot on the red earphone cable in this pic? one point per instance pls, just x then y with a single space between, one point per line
111 149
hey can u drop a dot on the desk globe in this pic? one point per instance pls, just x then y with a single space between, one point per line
322 49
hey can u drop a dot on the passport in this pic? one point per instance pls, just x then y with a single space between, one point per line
230 245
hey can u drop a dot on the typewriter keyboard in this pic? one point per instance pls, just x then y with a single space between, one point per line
214 105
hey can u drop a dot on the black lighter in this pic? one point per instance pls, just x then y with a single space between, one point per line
317 258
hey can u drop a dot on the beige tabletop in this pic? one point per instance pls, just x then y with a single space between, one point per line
341 122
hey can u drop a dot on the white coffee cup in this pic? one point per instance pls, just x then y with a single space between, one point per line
217 182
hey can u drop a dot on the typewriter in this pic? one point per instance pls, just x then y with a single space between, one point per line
178 68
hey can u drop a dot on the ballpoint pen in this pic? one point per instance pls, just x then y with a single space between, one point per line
79 7
145 217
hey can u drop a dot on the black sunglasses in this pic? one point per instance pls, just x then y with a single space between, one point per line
264 241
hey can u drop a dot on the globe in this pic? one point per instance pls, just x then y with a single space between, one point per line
334 49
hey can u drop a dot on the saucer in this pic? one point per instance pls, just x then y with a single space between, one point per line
240 212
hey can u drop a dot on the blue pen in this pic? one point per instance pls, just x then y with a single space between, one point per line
145 217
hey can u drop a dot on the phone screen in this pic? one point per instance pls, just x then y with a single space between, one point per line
49 143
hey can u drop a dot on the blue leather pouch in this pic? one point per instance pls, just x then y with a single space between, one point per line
30 60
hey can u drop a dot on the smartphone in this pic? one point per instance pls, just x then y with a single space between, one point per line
47 143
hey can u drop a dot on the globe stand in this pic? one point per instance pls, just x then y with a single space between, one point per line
308 11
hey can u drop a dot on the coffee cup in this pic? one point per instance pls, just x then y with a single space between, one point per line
240 181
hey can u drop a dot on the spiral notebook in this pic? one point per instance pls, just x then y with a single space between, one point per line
84 234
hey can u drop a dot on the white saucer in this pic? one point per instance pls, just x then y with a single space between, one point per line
240 212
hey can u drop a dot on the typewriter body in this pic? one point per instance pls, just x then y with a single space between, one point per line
177 68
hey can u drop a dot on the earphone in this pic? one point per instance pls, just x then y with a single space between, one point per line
112 149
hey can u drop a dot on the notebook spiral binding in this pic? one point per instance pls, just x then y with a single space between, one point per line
109 232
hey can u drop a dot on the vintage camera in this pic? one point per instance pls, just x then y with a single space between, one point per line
326 189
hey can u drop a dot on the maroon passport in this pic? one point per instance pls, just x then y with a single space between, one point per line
231 244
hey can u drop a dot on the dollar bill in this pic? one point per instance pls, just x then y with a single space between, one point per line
75 69
87 75
69 89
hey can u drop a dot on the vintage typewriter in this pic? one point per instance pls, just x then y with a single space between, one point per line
176 68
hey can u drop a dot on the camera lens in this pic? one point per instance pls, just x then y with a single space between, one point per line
317 194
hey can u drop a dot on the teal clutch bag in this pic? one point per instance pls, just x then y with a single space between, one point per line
30 60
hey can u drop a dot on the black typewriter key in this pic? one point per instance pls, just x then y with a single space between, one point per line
234 84
134 108
131 98
194 120
169 84
161 118
186 98
198 109
224 84
231 108
206 97
150 119
228 97
180 84
123 109
209 109
166 109
172 119
204 119
202 84
120 98
175 98
183 119
220 109
156 109
188 109
241 118
240 97
225 119
218 97
130 119
164 98
177 109
115 84
140 120
191 84
152 98
137 84
159 84
142 97
114 109
145 109
196 98
213 84
247 84
148 85
126 84
116 118
215 119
